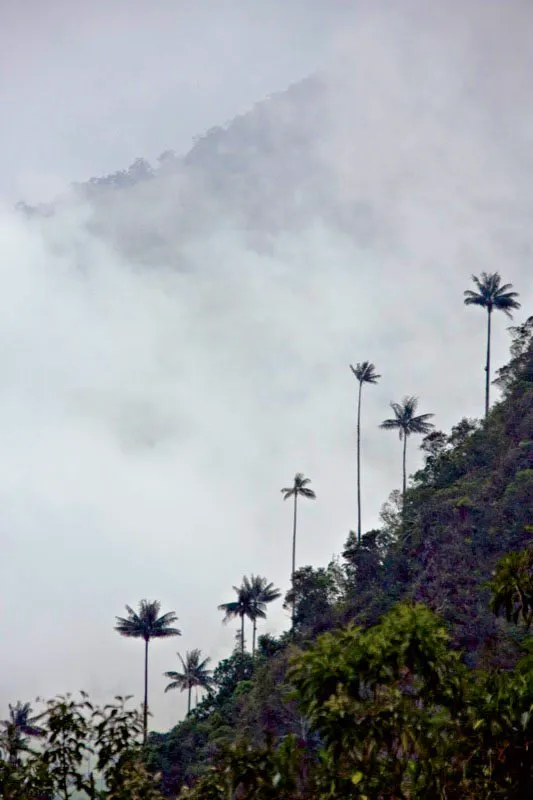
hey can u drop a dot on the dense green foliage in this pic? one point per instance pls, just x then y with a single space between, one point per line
83 752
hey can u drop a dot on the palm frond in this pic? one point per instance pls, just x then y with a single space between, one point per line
146 623
475 300
262 592
391 424
176 684
505 289
420 424
365 372
507 303
404 420
231 610
299 487
195 672
128 627
22 720
492 294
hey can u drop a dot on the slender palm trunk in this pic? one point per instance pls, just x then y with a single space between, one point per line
242 634
189 700
145 709
254 631
294 556
487 366
359 465
404 469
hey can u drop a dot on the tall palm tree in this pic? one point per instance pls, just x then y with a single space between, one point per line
298 489
147 624
365 373
195 674
491 295
242 607
20 725
406 423
263 593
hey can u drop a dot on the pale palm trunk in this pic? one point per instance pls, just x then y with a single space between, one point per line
294 556
359 465
189 700
404 468
254 632
145 710
242 634
487 366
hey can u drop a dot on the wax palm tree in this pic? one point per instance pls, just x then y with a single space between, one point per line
195 675
242 607
298 489
491 295
147 624
406 423
365 373
16 730
263 593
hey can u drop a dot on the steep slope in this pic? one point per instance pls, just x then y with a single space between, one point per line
470 505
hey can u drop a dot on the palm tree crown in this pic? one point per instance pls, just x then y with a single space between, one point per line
242 607
406 423
20 715
365 373
262 593
490 294
195 674
299 487
20 725
147 624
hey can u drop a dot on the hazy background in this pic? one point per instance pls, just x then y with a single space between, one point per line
172 353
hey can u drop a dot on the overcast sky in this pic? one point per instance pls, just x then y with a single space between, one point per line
148 418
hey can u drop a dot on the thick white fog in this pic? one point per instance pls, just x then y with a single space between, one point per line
162 379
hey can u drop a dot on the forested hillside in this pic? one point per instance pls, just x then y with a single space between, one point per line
470 506
407 669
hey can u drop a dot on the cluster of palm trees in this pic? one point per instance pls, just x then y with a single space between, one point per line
253 596
255 593
490 294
